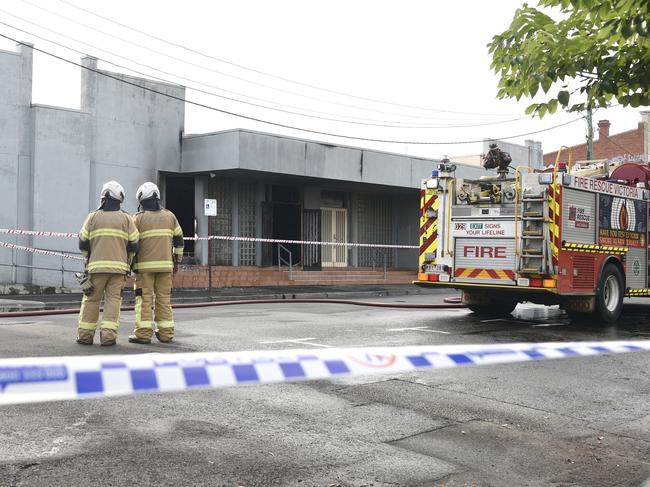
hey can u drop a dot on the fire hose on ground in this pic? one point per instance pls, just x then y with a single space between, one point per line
449 303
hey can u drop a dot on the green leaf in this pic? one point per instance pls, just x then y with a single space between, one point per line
563 97
598 48
542 110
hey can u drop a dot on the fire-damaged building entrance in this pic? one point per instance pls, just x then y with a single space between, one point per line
274 187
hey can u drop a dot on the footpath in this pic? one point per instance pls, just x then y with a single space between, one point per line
73 300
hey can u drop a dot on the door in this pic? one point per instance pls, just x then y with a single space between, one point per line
311 229
334 228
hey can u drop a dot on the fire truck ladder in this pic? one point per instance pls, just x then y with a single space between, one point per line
533 258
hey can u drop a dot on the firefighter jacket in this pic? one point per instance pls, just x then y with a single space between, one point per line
106 239
161 241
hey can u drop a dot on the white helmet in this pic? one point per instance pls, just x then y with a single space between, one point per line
112 189
146 191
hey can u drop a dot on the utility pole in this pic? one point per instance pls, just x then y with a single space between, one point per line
590 134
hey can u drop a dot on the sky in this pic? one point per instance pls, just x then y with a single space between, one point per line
407 71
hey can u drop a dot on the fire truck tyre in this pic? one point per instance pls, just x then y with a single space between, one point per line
498 309
609 299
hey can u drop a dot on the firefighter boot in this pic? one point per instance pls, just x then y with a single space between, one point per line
165 335
107 337
85 337
141 335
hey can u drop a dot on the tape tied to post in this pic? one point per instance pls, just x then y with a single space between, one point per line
30 380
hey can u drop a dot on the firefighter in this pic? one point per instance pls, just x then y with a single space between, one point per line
108 240
497 159
161 250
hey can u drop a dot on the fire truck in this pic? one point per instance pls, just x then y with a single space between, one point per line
574 236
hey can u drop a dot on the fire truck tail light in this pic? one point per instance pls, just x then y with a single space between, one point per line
422 276
549 283
523 281
433 277
536 282
545 177
443 277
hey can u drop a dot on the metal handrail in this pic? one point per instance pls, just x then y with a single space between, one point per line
15 266
281 260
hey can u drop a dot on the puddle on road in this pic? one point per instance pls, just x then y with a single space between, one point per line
530 322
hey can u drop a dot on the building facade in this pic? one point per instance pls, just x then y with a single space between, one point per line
632 145
54 161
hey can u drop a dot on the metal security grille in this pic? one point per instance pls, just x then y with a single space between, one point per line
247 222
311 231
220 252
374 217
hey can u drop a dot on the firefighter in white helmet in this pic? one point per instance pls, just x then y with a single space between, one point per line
161 250
109 240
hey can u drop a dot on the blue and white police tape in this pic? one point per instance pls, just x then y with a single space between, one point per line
26 380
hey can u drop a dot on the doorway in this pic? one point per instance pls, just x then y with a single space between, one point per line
286 226
334 228
285 211
179 199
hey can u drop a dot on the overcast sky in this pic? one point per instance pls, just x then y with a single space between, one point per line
426 60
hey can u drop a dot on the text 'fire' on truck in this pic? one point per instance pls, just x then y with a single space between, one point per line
573 235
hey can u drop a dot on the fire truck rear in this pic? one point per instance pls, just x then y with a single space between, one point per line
555 237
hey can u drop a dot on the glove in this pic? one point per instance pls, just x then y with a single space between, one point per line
83 278
175 270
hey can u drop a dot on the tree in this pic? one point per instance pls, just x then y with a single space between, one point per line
598 52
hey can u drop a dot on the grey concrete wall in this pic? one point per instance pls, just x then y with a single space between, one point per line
255 151
62 146
15 155
53 161
210 152
136 132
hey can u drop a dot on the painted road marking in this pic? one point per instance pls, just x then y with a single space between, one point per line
299 341
420 328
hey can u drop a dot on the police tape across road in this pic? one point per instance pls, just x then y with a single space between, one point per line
37 233
28 380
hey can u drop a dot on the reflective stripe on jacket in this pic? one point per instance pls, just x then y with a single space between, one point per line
161 241
107 237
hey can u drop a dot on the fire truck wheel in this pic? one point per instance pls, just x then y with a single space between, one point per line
609 298
498 309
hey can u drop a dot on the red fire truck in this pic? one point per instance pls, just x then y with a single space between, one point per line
574 236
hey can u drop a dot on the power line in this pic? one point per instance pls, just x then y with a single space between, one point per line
254 119
221 73
264 73
387 125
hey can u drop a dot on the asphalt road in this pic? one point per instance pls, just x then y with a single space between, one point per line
580 421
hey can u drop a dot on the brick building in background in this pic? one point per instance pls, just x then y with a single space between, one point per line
632 145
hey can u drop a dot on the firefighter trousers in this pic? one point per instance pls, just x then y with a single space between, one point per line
153 291
107 286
